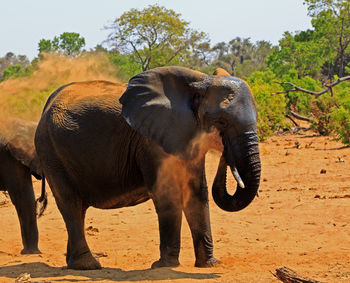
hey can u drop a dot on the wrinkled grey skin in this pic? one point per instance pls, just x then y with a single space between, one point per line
18 161
97 151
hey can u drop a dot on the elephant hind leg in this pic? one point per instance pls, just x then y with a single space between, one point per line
78 253
73 212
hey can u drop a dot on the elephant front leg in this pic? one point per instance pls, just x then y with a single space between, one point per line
196 209
169 218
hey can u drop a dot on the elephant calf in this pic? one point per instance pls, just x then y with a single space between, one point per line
18 160
101 151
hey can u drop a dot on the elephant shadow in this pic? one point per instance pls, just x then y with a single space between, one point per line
38 270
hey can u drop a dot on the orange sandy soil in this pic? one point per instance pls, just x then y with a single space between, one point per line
301 220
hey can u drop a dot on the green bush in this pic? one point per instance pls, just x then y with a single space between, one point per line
271 107
339 106
341 124
16 71
125 66
299 101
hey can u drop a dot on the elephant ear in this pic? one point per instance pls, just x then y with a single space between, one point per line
159 104
20 144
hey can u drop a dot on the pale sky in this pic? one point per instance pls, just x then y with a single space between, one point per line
24 22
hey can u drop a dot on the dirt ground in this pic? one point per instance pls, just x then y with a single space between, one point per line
301 220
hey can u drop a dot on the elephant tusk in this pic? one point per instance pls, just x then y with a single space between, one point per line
237 177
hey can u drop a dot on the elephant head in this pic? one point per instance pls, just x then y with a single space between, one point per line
19 140
173 105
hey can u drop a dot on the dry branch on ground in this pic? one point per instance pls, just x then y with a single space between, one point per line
288 275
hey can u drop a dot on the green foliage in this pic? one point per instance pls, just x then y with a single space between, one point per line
271 108
298 53
15 71
330 19
45 45
68 43
12 65
341 121
126 67
339 106
330 113
299 101
12 71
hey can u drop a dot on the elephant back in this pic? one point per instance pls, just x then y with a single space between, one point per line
73 96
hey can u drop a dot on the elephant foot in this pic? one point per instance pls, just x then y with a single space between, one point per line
84 262
27 251
165 263
208 263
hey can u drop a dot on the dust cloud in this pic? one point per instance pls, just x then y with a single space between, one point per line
25 97
176 174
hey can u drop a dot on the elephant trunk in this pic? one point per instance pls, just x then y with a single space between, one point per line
242 155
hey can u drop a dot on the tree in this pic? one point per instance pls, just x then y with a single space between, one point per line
300 52
235 52
153 36
45 45
242 57
200 54
262 50
331 20
321 52
69 43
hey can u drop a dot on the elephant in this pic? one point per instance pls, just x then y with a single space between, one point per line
18 161
102 150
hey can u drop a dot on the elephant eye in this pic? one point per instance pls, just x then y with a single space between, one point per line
230 96
227 100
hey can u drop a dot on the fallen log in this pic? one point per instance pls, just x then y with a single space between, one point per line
288 275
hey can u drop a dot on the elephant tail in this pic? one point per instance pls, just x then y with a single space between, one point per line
42 200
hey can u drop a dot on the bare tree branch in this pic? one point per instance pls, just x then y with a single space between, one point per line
294 122
298 116
137 53
316 94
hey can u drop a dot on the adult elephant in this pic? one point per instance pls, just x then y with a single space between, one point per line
101 152
18 160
